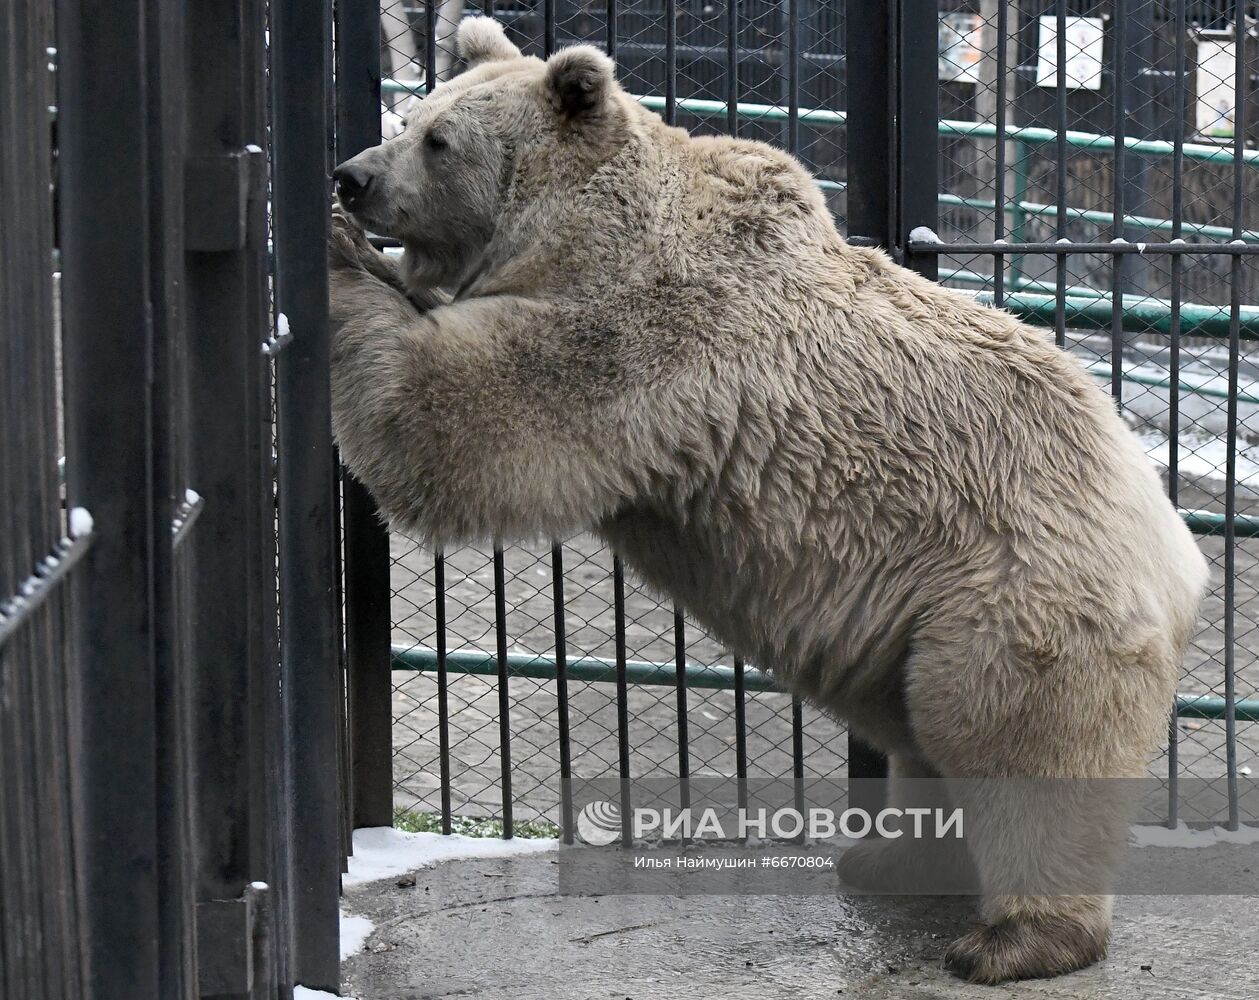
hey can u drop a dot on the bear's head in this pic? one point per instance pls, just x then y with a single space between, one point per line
441 185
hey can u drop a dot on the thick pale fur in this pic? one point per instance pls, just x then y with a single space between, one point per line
914 510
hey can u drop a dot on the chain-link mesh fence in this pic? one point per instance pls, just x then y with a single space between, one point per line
1085 147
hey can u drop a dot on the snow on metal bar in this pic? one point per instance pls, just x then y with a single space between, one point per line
34 590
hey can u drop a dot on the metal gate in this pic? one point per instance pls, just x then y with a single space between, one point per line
1047 156
172 705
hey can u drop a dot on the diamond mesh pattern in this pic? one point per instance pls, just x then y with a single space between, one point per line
1047 192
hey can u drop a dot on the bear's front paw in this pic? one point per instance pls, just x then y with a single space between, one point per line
348 246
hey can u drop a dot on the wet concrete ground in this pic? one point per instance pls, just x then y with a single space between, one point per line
498 928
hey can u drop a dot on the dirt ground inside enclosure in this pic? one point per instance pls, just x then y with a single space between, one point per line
474 721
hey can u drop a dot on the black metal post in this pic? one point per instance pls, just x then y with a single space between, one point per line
107 332
367 594
301 60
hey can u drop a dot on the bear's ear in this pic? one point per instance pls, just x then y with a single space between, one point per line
579 81
481 39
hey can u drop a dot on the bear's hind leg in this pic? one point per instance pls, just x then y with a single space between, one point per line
1037 752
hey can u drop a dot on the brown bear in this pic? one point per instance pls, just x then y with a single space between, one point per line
912 509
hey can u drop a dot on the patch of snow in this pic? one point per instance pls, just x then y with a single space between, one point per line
259 886
923 234
281 325
192 497
81 522
1140 248
1186 836
253 148
355 931
382 852
303 993
1203 459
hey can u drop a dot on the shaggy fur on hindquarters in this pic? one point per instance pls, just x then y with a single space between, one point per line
914 510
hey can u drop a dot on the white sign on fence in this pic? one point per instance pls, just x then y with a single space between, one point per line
1085 43
961 47
1217 97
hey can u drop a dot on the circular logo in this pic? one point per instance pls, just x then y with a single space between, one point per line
599 823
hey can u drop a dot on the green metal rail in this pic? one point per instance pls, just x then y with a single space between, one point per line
980 130
597 670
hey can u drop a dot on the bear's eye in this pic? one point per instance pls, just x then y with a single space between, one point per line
435 143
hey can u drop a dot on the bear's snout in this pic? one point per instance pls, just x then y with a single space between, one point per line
352 181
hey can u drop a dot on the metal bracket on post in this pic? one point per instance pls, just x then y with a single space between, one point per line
232 943
223 196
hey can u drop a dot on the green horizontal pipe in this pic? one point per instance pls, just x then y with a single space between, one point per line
1141 314
1102 370
1101 218
1202 706
598 670
983 130
588 669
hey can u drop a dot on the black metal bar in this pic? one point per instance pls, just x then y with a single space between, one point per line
797 757
1060 166
561 693
793 77
999 123
870 198
443 685
684 738
367 594
1241 93
670 60
917 118
1120 38
732 67
548 34
430 45
869 101
301 63
611 13
740 734
622 699
504 695
1179 102
107 332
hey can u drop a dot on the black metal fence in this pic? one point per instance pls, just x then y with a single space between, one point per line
1069 178
174 768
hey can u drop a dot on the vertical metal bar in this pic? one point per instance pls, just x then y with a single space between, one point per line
40 953
684 738
548 27
504 696
732 67
740 733
869 93
998 221
301 63
611 13
1119 77
670 61
561 692
430 46
1060 161
793 77
870 222
797 756
443 685
367 594
1173 401
1241 91
107 335
917 123
622 699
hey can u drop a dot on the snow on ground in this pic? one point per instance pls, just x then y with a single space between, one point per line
1185 836
1203 458
383 852
302 993
355 931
